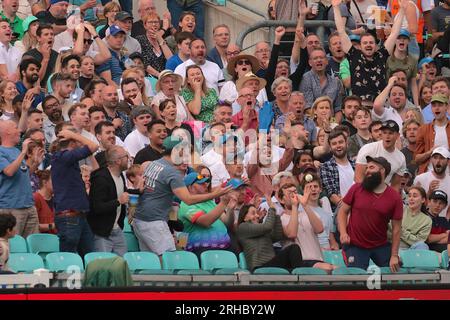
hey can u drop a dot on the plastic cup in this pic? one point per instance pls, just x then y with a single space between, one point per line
133 200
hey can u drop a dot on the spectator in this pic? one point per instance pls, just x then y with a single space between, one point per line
55 15
196 6
281 89
70 197
89 9
9 14
162 182
437 177
10 56
386 149
221 35
145 8
44 52
33 159
337 174
262 53
138 138
43 200
119 119
15 190
205 222
416 224
70 64
375 130
124 21
200 99
137 73
168 110
213 74
29 75
104 133
438 238
362 121
87 71
223 113
425 95
112 70
350 105
371 204
109 11
348 20
79 119
322 111
337 55
247 117
439 22
83 41
154 49
108 198
183 40
409 132
157 132
8 92
433 135
428 71
7 231
439 85
53 112
29 39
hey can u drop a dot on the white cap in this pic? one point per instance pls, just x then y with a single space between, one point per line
443 151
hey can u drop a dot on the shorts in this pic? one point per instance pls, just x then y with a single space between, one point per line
154 236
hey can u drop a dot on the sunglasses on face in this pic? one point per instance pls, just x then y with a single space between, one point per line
242 62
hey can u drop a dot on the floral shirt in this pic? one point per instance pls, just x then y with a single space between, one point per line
209 102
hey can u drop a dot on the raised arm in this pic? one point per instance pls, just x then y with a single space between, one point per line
389 44
380 100
340 26
302 11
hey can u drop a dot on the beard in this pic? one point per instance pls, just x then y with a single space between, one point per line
339 154
33 78
371 182
439 169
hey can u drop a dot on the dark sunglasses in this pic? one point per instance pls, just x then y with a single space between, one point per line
241 62
88 41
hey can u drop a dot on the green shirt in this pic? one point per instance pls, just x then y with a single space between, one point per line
16 25
208 104
415 228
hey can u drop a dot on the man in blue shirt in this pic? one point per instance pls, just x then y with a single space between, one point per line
15 187
70 197
112 70
440 85
29 76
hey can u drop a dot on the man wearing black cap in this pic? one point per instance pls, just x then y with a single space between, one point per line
438 238
124 21
371 204
384 148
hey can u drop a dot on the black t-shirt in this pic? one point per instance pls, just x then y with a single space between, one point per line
350 126
83 82
137 29
46 16
147 154
51 64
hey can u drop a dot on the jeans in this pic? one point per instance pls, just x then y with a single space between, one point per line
75 235
114 243
126 5
198 8
420 245
359 257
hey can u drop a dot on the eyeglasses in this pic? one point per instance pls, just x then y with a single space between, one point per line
242 62
88 41
248 95
233 53
263 51
153 22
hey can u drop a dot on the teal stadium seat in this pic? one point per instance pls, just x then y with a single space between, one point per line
144 263
126 226
132 242
242 261
419 261
182 262
271 270
309 271
334 257
97 255
349 270
17 244
220 262
43 243
61 261
25 262
444 259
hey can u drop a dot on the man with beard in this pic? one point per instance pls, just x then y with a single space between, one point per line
131 94
317 83
296 114
434 134
157 132
371 204
386 149
63 85
410 130
71 66
119 119
29 75
350 105
437 178
337 173
53 111
212 72
337 55
104 132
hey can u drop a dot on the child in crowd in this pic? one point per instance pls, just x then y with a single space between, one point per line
7 231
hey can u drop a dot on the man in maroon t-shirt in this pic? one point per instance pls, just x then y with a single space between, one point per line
371 205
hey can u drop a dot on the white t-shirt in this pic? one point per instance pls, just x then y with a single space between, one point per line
376 149
440 138
11 56
389 113
135 142
424 180
212 72
346 178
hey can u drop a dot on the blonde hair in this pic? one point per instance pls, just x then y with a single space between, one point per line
322 99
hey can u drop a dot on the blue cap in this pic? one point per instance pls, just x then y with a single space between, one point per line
113 30
355 37
57 1
404 33
425 60
194 177
235 183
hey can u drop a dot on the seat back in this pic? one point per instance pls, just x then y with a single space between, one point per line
309 271
350 270
218 259
334 257
17 244
271 270
132 242
242 261
419 259
25 262
43 243
142 261
97 255
61 261
179 260
444 258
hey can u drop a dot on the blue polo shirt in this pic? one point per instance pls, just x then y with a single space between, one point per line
68 187
115 65
173 62
428 115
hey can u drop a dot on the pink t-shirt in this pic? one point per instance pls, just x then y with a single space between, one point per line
370 215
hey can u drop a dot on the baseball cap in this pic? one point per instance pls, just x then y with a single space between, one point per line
57 1
113 30
194 177
381 161
171 142
26 23
425 60
235 183
404 33
391 125
439 195
443 151
355 37
123 15
439 98
140 110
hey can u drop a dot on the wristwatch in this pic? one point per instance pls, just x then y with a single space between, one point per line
95 37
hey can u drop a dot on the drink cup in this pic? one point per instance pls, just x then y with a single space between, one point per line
132 203
182 240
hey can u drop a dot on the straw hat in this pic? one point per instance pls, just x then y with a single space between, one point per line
166 73
232 63
250 76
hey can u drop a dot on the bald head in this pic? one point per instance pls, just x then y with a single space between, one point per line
146 7
9 133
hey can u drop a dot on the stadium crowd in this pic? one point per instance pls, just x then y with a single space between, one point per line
109 119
